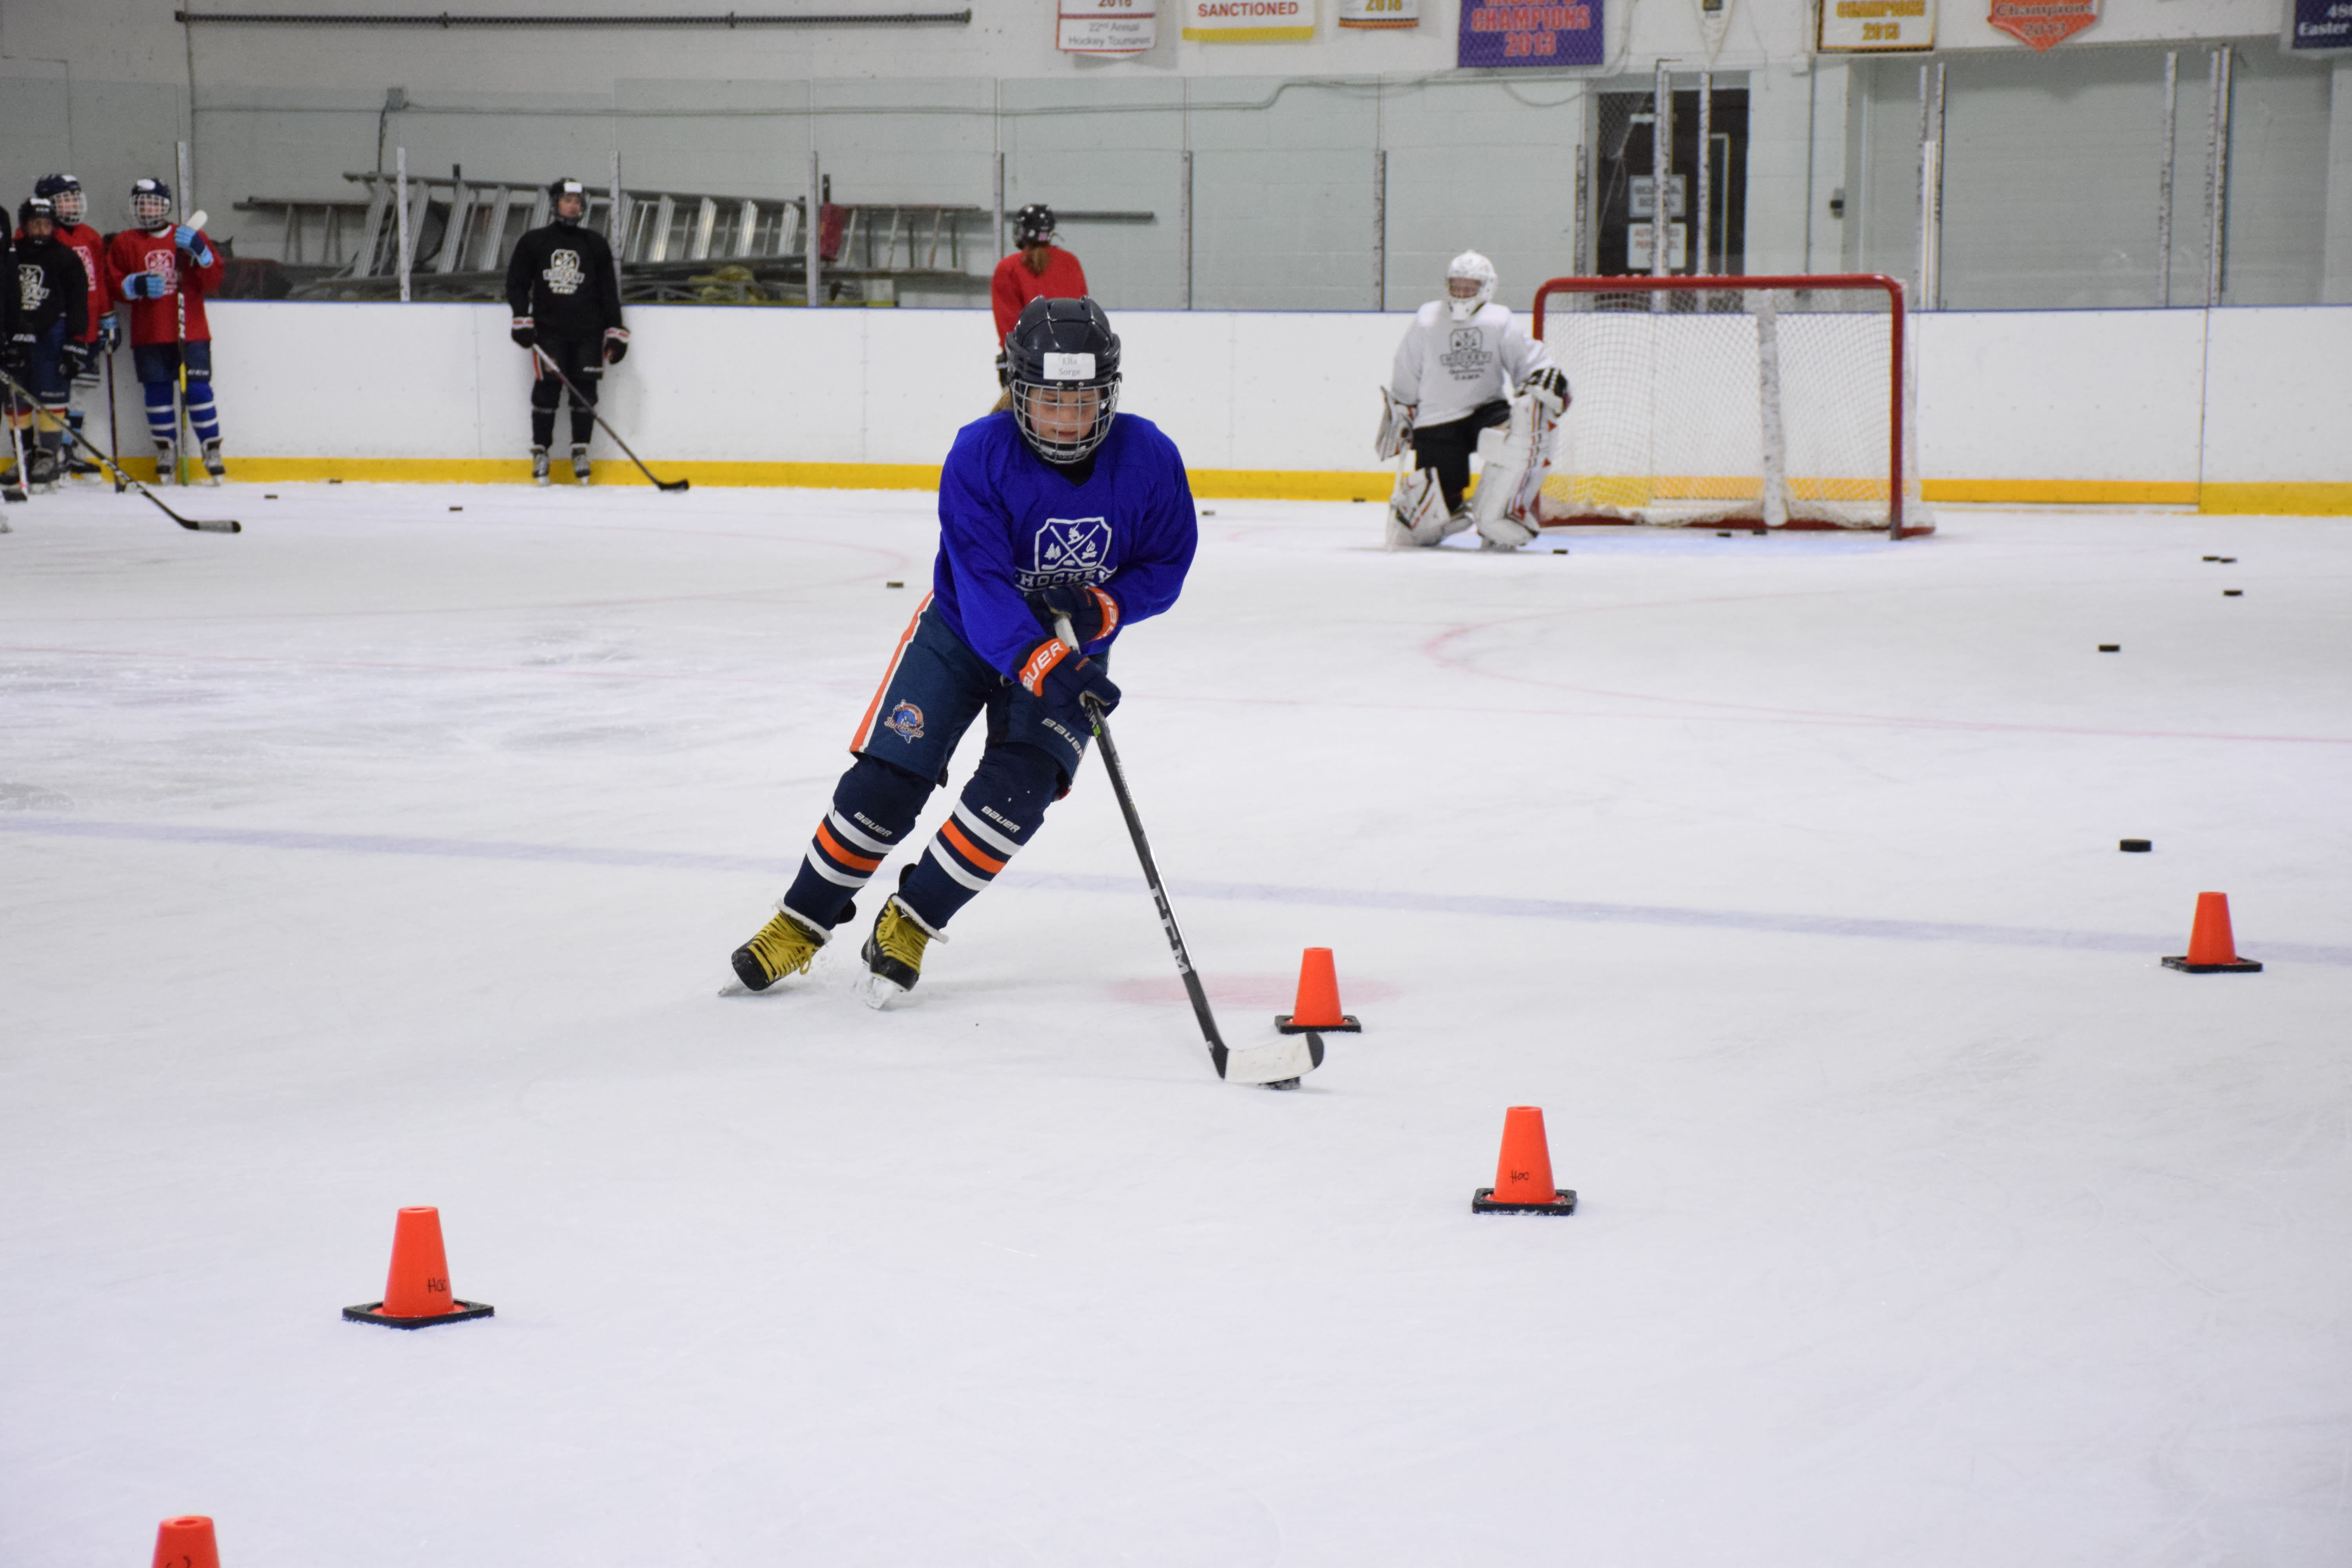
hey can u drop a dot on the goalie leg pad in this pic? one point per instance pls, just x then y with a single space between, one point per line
1416 509
1515 460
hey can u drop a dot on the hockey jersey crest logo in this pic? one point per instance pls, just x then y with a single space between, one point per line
563 273
906 721
164 264
1068 550
32 286
1467 355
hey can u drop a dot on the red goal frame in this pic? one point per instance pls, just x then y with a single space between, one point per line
1725 282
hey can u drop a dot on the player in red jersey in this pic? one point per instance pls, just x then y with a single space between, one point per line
1038 269
166 271
84 359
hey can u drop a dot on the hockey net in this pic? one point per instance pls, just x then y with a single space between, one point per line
1780 402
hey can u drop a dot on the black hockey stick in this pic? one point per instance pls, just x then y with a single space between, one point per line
580 402
1278 1065
122 479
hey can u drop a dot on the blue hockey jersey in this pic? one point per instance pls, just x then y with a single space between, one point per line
1010 523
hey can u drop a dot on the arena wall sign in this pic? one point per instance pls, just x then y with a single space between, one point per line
1248 21
2044 24
1529 34
1876 27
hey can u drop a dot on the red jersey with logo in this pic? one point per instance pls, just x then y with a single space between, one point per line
88 246
157 321
1014 285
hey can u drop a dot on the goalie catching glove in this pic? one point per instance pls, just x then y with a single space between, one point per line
1061 679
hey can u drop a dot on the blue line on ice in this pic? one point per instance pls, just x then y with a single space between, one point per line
1241 892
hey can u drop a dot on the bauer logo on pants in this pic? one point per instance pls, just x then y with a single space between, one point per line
1069 550
563 274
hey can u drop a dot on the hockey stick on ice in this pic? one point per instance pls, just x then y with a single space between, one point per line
1278 1064
122 479
580 402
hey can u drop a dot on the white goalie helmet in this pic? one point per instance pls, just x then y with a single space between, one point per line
1475 268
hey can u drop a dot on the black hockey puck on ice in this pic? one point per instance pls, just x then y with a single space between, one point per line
2233 593
1559 552
894 584
2111 648
1723 536
456 509
2137 845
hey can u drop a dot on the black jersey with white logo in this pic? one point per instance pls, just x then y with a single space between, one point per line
562 278
50 287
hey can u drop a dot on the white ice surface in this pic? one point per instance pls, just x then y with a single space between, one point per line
389 854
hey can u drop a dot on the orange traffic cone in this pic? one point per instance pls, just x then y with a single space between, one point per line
417 1292
1317 1007
2211 949
1523 1175
187 1543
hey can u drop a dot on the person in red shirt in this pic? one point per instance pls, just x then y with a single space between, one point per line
102 333
166 271
1037 270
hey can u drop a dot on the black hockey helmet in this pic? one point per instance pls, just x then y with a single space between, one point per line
1063 345
37 206
150 202
566 186
1033 225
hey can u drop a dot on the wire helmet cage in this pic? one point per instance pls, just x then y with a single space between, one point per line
1065 346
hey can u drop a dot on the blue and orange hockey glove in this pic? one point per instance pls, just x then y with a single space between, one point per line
1094 614
1061 680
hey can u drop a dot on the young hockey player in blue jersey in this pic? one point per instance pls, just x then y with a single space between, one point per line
1059 506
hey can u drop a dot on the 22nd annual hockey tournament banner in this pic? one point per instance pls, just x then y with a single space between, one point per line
1248 21
1553 35
1105 26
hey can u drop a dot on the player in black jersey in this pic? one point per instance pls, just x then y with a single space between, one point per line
566 297
52 311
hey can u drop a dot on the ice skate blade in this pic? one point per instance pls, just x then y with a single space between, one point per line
737 988
878 992
1278 1064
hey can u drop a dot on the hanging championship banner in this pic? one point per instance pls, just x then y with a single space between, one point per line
1547 34
1248 21
1392 13
2044 24
1105 27
1864 26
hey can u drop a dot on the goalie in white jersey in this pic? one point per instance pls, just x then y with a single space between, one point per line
1469 378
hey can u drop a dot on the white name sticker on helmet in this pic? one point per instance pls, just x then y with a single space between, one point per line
1070 367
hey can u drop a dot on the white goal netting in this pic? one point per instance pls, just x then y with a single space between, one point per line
1764 407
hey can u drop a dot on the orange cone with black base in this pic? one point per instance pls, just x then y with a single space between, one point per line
417 1292
2212 950
1523 1174
1317 1011
187 1543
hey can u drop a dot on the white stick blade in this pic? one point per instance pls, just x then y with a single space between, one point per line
1289 1057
